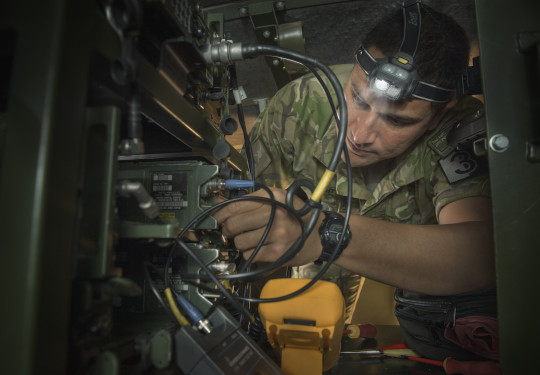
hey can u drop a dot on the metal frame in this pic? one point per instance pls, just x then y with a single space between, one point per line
39 179
511 88
42 156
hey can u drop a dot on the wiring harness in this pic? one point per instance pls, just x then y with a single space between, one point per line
312 205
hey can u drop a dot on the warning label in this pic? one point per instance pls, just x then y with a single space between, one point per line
170 190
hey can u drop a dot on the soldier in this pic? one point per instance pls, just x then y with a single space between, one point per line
421 214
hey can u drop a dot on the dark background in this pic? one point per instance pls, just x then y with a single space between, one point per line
332 31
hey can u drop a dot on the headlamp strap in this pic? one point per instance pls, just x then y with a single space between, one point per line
411 31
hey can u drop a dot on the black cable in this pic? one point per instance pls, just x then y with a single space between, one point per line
247 142
318 276
242 120
347 159
288 255
205 213
252 51
299 183
238 307
215 279
291 191
266 231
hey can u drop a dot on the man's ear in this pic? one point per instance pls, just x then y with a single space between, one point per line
441 113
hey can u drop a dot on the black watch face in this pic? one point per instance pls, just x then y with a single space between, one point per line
333 234
331 231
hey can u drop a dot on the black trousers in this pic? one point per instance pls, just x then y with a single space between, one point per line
427 322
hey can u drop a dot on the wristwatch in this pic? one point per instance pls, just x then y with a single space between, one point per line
330 232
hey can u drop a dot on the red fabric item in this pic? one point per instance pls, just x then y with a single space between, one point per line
396 346
367 330
477 334
451 366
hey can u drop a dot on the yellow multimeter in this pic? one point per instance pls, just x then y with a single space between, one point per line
305 330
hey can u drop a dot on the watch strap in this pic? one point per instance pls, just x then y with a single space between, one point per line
330 231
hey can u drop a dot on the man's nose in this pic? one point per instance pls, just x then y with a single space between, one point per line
363 129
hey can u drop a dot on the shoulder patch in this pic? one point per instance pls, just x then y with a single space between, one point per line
437 141
462 164
465 109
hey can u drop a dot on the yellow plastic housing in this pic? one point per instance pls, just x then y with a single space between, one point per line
305 330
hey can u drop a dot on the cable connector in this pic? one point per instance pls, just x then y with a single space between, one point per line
204 325
239 95
194 315
239 184
224 52
136 189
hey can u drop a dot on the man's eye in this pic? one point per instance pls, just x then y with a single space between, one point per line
397 121
394 121
358 100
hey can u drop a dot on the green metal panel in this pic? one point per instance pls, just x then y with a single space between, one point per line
189 175
237 9
265 25
46 190
511 86
95 236
39 178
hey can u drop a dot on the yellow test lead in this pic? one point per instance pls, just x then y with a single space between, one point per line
323 184
176 312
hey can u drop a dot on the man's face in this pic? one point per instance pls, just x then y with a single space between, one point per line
380 129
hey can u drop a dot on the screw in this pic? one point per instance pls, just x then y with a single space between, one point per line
275 62
280 5
499 143
243 11
266 34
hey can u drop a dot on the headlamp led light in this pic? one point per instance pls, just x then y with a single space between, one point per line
396 77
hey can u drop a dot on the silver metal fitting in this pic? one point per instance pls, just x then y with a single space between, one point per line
133 146
147 204
499 143
212 187
222 53
204 326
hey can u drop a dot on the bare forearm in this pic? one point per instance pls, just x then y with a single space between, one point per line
432 259
453 257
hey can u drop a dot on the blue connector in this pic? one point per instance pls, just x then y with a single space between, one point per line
193 314
239 184
191 311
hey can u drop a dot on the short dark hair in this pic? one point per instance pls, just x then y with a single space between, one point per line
443 50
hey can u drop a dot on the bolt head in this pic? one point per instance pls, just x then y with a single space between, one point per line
499 143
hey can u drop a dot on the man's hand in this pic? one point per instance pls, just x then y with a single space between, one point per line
246 222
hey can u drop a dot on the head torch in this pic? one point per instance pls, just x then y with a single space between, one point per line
396 77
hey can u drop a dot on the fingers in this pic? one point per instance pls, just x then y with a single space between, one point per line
268 253
240 216
278 237
237 208
219 199
246 222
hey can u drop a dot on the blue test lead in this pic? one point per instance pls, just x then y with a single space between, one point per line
194 315
239 184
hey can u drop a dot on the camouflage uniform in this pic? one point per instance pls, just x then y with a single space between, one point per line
295 136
